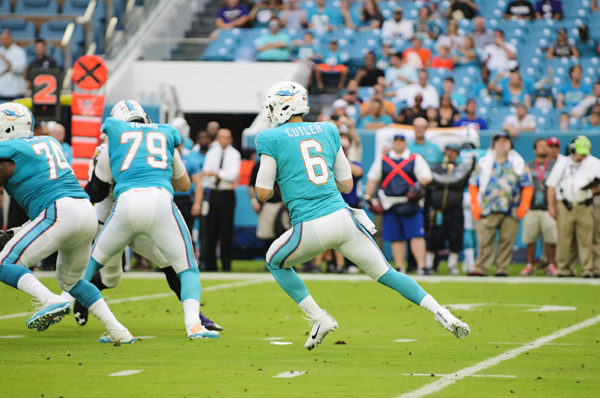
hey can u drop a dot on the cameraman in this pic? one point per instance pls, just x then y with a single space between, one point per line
446 220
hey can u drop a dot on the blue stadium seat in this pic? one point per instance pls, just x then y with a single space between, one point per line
591 66
54 30
4 6
57 54
42 7
21 29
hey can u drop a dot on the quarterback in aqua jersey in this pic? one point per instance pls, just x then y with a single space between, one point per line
142 161
35 173
307 162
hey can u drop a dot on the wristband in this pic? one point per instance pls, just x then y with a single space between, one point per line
367 197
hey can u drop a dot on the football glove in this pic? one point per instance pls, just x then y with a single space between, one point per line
5 236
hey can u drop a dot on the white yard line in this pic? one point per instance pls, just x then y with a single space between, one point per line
444 375
512 280
450 379
155 296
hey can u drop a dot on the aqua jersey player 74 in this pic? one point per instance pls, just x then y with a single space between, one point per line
310 167
34 172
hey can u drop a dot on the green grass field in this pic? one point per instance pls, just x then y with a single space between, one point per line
361 359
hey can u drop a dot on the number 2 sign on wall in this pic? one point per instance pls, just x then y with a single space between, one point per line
45 94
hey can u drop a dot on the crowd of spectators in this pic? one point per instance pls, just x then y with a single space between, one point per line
441 38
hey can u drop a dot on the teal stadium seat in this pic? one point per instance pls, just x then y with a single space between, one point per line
21 29
4 7
36 7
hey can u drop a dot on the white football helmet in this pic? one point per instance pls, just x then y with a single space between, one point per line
284 100
129 111
182 126
16 121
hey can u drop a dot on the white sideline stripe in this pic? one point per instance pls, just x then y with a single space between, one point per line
155 296
450 379
293 373
511 280
444 375
404 340
281 343
13 336
509 343
127 372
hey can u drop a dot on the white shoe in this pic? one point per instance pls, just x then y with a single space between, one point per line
320 327
117 337
454 271
452 323
198 331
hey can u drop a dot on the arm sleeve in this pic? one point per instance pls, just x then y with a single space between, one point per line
266 173
375 171
554 177
341 167
19 63
178 166
422 170
102 170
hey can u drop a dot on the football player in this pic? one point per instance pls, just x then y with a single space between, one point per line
142 160
307 162
35 173
110 275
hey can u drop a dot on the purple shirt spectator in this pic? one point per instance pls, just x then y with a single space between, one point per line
548 9
232 15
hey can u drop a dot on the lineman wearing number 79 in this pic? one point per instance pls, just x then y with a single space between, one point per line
142 160
309 165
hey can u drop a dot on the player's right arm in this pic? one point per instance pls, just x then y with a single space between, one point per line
265 180
342 172
7 168
181 179
98 188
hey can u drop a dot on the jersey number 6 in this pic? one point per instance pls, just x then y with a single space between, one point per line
156 145
318 176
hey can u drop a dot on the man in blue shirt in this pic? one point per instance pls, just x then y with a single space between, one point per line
430 151
471 116
275 46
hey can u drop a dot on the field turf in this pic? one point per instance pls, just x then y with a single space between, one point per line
540 338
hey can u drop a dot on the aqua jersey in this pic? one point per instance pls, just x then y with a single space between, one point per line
305 154
42 174
141 155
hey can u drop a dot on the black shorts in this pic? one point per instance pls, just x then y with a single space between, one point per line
451 230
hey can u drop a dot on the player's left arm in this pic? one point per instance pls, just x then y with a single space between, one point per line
181 179
98 188
342 172
7 168
265 180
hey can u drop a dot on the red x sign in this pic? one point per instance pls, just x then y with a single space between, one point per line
89 72
398 169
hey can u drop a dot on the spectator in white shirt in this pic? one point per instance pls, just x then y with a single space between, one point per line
220 174
397 27
500 55
522 121
431 97
13 61
584 107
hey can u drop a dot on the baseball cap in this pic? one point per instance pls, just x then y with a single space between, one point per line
453 146
399 137
553 141
398 9
501 134
583 146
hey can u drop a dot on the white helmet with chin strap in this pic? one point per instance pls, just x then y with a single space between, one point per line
284 100
16 121
129 111
182 126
